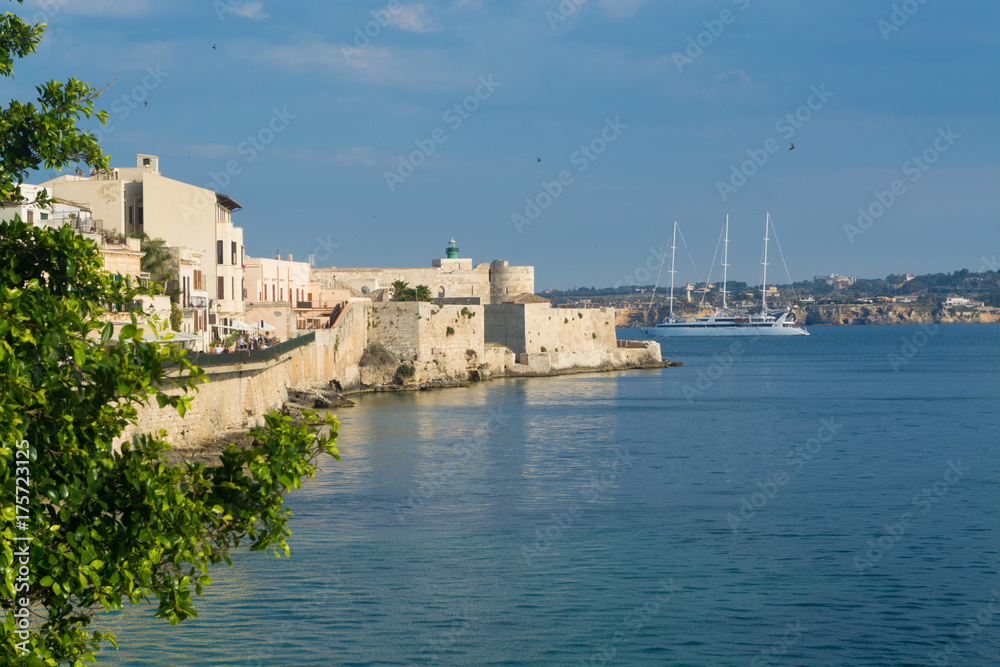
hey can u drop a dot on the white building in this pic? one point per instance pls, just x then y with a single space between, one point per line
129 200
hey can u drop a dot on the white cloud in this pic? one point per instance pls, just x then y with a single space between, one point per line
412 18
374 65
250 10
621 8
45 10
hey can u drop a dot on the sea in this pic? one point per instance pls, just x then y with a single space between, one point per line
823 500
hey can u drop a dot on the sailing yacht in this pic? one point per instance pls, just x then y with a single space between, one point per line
726 322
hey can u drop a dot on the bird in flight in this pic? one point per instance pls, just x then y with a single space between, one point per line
213 46
539 159
145 104
792 148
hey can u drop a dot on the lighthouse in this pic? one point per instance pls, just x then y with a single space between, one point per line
451 252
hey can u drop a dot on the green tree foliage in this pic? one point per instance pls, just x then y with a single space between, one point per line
41 134
401 291
422 293
156 262
105 524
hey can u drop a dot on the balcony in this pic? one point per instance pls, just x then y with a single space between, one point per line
198 299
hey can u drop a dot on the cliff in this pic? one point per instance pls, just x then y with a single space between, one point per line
892 314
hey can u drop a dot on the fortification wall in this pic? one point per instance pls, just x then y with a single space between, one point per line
237 397
505 326
439 341
569 329
443 282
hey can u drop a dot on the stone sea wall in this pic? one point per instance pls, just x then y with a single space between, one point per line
444 345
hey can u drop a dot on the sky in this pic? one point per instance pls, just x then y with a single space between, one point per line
568 135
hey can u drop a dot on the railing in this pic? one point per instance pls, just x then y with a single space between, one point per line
252 356
304 304
84 224
631 344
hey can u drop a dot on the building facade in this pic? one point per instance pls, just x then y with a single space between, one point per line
130 200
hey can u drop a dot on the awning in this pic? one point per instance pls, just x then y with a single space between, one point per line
149 336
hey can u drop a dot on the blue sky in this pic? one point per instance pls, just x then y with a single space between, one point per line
648 110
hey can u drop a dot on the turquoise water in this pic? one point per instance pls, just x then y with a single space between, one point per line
830 500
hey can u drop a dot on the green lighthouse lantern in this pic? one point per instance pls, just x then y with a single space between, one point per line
452 250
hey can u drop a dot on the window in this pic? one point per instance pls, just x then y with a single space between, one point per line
233 292
218 252
45 216
31 217
234 252
222 288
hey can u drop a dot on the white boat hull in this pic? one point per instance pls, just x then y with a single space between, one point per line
672 331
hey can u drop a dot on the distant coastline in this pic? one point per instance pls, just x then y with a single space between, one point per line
852 315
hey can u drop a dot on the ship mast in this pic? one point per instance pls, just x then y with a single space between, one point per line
763 288
673 250
725 265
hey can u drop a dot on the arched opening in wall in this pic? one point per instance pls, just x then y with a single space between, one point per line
441 291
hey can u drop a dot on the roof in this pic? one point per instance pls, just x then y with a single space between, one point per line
227 201
524 297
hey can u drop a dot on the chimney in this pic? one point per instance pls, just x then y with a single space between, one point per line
148 162
289 257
